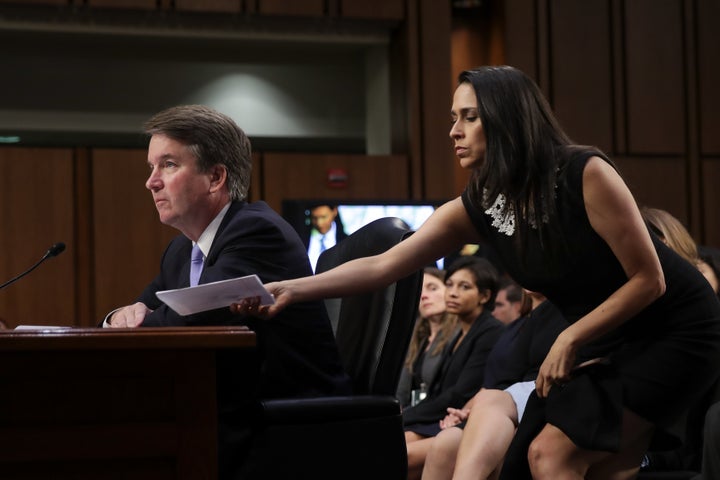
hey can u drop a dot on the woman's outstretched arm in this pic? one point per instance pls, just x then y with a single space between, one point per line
447 229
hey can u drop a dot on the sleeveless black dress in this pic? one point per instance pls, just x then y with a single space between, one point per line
661 360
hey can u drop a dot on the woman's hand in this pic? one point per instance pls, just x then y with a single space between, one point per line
454 417
557 366
251 306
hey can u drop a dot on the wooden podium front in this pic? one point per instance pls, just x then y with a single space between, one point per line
111 403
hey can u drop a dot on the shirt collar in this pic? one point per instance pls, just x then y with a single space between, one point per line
208 236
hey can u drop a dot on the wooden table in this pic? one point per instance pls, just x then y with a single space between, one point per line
111 403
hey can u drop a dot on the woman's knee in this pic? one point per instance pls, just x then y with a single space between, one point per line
551 452
446 443
539 454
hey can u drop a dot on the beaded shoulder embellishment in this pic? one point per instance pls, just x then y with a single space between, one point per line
503 215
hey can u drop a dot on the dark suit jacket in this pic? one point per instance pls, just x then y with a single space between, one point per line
297 354
461 372
523 346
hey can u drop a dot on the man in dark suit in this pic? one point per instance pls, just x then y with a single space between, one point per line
200 164
325 230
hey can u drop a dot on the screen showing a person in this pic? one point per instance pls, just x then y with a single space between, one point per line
322 224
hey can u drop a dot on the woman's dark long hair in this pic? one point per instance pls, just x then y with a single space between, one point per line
525 148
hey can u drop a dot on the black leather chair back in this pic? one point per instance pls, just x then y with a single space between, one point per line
373 330
353 437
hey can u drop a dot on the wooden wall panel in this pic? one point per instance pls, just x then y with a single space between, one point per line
84 263
375 9
36 2
581 92
436 99
255 191
313 8
711 200
521 35
654 76
476 40
128 4
405 101
129 238
657 183
290 175
708 14
224 6
36 210
618 68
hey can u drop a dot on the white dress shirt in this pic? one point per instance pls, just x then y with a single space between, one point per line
319 243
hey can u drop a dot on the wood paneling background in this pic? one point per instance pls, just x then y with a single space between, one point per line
37 209
477 39
128 238
296 175
638 79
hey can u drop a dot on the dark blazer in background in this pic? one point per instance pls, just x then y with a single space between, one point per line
428 368
461 372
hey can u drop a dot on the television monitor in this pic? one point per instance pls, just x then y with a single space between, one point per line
349 217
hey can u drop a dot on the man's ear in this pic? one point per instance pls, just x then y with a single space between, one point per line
218 177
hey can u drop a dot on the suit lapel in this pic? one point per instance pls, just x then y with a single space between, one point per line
215 248
184 280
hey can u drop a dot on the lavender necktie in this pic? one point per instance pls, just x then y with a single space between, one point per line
196 265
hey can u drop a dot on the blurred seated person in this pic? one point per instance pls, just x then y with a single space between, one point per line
325 232
433 330
200 164
470 288
476 449
509 301
711 257
674 234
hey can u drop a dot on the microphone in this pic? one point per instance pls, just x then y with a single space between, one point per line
53 251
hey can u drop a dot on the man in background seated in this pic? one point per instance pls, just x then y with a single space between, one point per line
508 303
325 232
200 165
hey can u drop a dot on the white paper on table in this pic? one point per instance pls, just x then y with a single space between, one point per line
42 327
210 296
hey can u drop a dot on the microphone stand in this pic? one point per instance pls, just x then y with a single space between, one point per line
53 251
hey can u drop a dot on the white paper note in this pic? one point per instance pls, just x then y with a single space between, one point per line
209 296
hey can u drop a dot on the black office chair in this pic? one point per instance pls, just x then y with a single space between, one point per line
360 436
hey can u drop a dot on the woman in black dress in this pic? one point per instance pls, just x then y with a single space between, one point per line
564 224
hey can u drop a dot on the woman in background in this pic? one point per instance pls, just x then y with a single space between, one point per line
674 234
470 290
433 329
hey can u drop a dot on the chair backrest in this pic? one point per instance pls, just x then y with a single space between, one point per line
373 330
